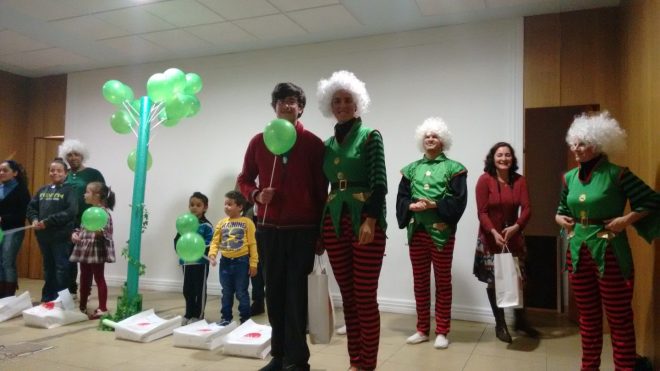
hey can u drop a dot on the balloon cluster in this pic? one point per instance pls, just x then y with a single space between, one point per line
94 219
191 246
173 91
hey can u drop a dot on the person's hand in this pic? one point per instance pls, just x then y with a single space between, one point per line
212 260
428 204
75 237
617 225
417 206
565 222
509 232
265 196
367 231
319 249
499 240
253 271
37 224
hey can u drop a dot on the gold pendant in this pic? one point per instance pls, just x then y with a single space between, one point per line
582 197
337 160
428 173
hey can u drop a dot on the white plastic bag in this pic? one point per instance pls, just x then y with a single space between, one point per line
248 340
202 335
508 280
145 327
12 306
320 310
58 312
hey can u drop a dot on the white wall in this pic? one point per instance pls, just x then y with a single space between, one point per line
471 75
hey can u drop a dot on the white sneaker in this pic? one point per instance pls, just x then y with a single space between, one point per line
417 338
441 342
341 330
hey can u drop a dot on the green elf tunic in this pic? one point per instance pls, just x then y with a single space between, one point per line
441 180
602 196
356 171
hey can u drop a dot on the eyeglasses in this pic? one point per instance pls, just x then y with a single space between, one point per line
291 102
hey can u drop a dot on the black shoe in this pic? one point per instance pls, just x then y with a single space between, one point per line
275 364
256 309
502 333
521 324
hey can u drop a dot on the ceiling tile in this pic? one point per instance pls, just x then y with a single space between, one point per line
45 9
44 58
329 18
221 34
441 7
289 5
89 27
176 40
270 27
237 9
183 13
134 48
135 20
13 42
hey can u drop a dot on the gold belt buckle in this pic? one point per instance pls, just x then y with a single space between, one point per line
343 184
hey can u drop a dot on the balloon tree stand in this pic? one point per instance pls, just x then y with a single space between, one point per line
173 93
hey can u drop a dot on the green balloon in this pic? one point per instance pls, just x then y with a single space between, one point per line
190 247
159 88
187 223
177 78
121 122
127 93
193 83
279 136
94 219
167 122
132 160
193 105
177 107
115 92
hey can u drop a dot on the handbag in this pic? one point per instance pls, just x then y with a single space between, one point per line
508 280
320 310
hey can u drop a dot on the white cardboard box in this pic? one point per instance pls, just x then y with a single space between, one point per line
249 340
202 335
12 306
145 327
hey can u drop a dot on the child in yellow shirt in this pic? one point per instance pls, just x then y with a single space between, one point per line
234 237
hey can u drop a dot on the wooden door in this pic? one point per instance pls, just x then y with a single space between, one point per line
546 158
28 262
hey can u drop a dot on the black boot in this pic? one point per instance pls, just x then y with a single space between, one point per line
257 308
501 331
522 325
275 364
3 290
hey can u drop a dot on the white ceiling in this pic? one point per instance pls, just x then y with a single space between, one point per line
46 37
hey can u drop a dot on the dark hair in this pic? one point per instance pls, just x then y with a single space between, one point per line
284 90
489 163
21 174
237 197
202 197
59 160
106 194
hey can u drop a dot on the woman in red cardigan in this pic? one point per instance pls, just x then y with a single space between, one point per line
504 210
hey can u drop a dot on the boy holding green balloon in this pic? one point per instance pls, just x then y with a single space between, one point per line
234 239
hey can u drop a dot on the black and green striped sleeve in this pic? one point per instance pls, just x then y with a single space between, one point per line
375 160
563 205
642 199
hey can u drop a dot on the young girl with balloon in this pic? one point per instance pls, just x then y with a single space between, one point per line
196 271
94 245
52 213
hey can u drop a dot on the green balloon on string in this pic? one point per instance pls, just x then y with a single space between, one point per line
176 78
166 121
115 92
193 105
94 219
132 160
159 88
186 223
193 83
190 247
279 136
121 122
177 107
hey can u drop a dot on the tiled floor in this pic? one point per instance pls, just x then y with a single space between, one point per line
473 346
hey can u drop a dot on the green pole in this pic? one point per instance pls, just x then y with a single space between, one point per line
137 210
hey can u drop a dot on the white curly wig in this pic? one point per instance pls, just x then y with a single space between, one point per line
342 80
600 130
437 126
73 145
